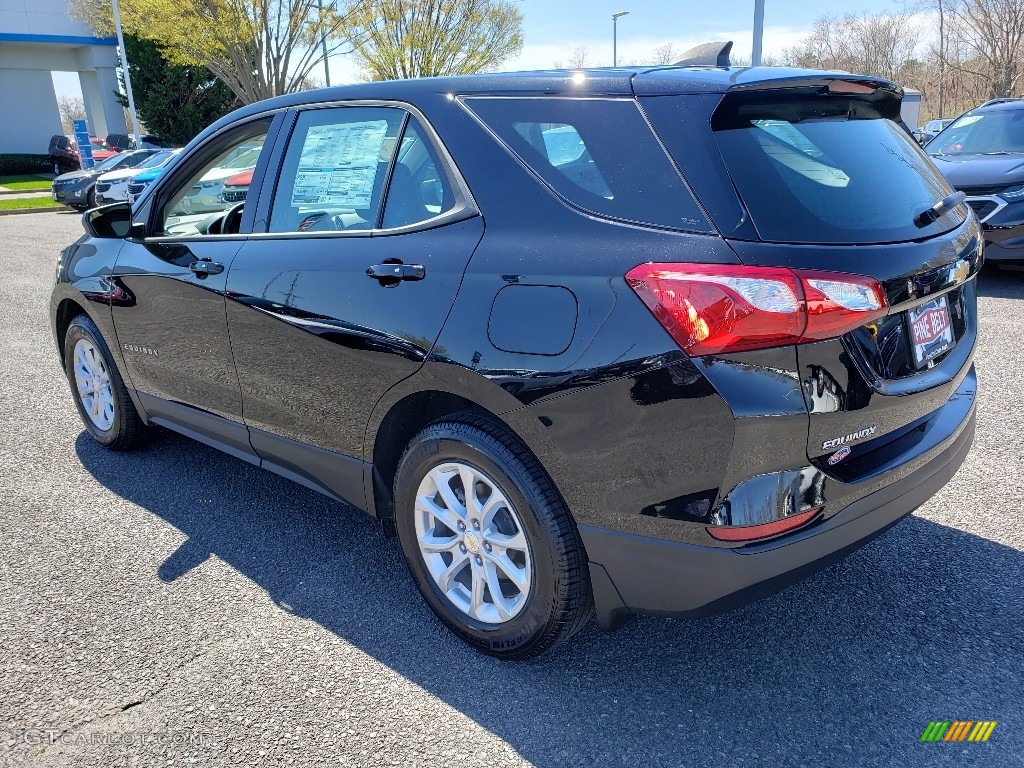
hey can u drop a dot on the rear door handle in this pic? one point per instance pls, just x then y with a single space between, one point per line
204 267
397 272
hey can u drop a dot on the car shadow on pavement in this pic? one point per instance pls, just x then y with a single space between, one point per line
846 667
1001 284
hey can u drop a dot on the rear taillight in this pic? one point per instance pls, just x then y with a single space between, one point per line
713 308
762 530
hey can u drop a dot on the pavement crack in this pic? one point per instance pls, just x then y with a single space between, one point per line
146 697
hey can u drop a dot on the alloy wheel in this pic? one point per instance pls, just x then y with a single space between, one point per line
92 377
473 542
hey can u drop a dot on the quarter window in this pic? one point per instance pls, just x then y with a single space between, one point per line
598 154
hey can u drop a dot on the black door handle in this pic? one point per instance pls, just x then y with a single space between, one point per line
205 267
395 272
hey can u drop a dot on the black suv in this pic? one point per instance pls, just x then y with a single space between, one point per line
982 154
645 340
120 142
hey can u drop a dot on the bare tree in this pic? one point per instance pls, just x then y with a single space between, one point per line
665 54
882 44
70 108
942 56
986 40
580 59
767 60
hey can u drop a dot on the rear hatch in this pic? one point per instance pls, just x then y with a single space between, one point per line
815 173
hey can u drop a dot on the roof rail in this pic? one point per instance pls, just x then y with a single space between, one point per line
1002 100
707 55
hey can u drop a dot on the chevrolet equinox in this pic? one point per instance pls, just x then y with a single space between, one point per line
614 341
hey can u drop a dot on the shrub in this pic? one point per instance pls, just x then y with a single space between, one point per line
13 165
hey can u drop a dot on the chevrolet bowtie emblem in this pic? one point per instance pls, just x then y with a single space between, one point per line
958 272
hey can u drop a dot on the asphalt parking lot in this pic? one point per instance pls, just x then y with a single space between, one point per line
177 606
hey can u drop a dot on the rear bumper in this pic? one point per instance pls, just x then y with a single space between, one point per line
638 574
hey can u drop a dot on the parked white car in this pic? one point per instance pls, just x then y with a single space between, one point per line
205 195
113 187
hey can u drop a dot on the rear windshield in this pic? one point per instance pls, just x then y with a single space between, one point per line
598 154
828 169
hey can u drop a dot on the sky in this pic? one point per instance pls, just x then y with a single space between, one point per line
554 29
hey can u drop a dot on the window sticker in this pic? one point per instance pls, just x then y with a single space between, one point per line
338 164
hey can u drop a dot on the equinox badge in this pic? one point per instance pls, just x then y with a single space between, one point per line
837 441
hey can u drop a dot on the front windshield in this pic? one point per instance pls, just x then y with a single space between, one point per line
990 133
243 160
110 163
155 160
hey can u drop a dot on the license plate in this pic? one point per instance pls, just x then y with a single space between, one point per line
931 332
131 198
54 196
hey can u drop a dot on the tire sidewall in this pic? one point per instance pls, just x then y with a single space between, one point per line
432 449
85 329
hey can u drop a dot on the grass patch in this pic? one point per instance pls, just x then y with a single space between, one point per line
29 202
25 183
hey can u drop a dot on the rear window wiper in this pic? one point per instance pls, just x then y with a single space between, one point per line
944 206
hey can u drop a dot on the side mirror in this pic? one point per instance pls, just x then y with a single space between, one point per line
109 221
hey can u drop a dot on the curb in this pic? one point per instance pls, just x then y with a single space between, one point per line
51 209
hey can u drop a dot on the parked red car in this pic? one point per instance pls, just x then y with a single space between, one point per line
64 155
236 187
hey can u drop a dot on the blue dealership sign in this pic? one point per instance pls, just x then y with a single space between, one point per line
82 139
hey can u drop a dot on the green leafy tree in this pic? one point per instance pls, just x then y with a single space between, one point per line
259 48
175 102
397 39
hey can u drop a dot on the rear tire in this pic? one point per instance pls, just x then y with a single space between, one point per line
513 536
98 390
91 198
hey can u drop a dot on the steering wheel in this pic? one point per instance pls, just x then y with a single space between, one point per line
232 221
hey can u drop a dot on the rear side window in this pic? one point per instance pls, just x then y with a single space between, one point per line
598 154
813 168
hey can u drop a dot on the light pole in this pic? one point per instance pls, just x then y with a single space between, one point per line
323 41
127 75
755 55
615 36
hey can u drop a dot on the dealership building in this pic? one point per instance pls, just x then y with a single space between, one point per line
38 37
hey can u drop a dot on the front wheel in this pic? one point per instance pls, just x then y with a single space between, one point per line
488 541
99 392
